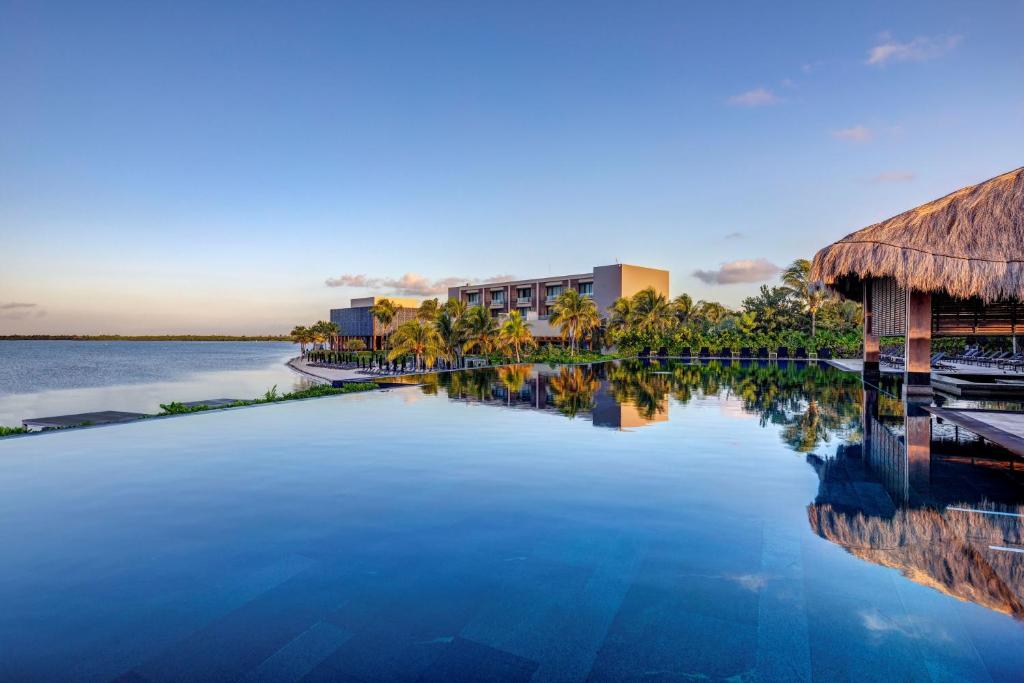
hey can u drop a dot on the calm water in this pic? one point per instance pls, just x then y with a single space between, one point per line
615 522
43 378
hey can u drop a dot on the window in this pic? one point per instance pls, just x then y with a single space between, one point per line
524 312
497 297
587 288
524 292
554 290
473 298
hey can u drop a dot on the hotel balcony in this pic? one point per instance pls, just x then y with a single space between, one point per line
550 299
524 301
497 304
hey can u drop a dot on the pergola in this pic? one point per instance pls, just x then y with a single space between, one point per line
952 267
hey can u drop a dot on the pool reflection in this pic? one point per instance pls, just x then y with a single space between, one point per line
927 499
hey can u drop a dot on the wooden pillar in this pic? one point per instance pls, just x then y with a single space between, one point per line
918 350
871 345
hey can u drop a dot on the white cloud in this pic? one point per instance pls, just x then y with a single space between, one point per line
743 270
894 177
920 49
758 97
409 284
858 133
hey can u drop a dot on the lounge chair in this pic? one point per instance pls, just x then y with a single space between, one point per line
782 353
801 353
663 352
646 352
684 352
825 353
762 352
745 352
705 352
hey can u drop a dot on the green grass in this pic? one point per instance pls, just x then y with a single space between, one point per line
272 396
8 431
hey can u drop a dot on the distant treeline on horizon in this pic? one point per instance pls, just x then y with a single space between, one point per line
143 337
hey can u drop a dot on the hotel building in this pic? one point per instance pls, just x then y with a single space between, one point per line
357 321
534 297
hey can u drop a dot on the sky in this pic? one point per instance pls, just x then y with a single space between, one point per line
179 167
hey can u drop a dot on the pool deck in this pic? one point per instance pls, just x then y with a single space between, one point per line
1002 427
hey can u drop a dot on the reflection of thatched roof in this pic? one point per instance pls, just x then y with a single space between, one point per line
948 551
968 243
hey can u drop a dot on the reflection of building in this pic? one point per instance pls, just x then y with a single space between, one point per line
947 515
533 297
572 391
357 321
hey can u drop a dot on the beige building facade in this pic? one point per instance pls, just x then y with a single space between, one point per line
533 297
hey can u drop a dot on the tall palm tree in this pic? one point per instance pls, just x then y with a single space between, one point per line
429 310
652 313
451 333
419 339
301 335
323 332
456 308
481 330
575 315
711 312
810 294
620 315
683 307
384 312
515 334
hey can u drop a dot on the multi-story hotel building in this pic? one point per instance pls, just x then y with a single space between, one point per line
534 297
357 321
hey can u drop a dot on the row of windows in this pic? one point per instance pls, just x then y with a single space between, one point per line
585 288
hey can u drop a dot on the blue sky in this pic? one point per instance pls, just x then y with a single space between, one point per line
208 167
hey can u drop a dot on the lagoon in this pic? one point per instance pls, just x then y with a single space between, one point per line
43 378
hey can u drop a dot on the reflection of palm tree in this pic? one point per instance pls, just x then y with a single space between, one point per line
635 385
513 377
573 389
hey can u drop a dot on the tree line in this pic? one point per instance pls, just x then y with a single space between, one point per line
797 312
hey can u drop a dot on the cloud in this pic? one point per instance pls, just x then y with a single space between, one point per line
409 284
17 310
743 270
920 49
858 133
733 236
758 97
894 177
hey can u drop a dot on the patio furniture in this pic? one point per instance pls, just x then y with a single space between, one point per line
745 352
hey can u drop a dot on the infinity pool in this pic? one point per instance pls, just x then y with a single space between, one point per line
603 523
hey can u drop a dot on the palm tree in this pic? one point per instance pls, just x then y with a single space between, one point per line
515 334
620 317
451 333
384 312
652 313
480 329
711 312
683 307
419 339
429 310
456 308
301 335
810 294
323 332
575 315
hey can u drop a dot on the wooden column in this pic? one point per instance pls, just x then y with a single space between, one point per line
918 352
870 338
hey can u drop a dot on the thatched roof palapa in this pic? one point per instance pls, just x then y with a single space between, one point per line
968 244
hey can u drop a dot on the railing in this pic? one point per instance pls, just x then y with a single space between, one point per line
550 299
497 303
524 301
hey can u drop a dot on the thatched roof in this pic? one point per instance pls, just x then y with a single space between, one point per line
968 243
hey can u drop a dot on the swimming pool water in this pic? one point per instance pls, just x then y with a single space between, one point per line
610 522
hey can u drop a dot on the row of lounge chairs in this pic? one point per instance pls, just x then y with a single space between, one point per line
1004 360
896 360
763 353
